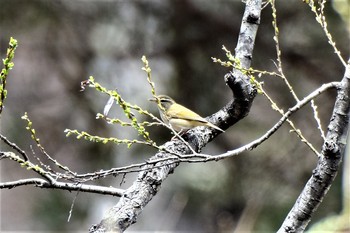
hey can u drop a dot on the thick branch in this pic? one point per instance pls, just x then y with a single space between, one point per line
148 182
328 164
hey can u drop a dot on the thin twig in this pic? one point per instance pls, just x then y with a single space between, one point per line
270 132
64 186
14 146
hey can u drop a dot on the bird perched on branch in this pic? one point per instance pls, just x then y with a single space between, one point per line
179 117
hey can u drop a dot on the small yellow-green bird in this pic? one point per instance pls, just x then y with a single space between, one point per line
179 117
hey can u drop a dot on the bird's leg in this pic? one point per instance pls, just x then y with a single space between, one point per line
180 133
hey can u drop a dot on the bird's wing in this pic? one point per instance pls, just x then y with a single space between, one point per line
182 112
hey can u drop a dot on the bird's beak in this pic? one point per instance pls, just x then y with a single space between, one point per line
153 100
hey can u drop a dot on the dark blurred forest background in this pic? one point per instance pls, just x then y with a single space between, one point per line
62 43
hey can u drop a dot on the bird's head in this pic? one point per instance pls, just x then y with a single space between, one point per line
164 101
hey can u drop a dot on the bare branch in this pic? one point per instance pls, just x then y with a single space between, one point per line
300 104
14 146
63 186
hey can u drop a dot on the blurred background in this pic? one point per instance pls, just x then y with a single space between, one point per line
62 43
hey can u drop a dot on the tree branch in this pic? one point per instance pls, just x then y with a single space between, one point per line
49 180
14 146
328 164
148 182
63 186
268 134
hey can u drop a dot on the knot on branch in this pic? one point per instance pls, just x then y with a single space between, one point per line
240 85
331 149
254 18
244 92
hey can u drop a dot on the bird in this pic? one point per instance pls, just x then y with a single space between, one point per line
179 117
